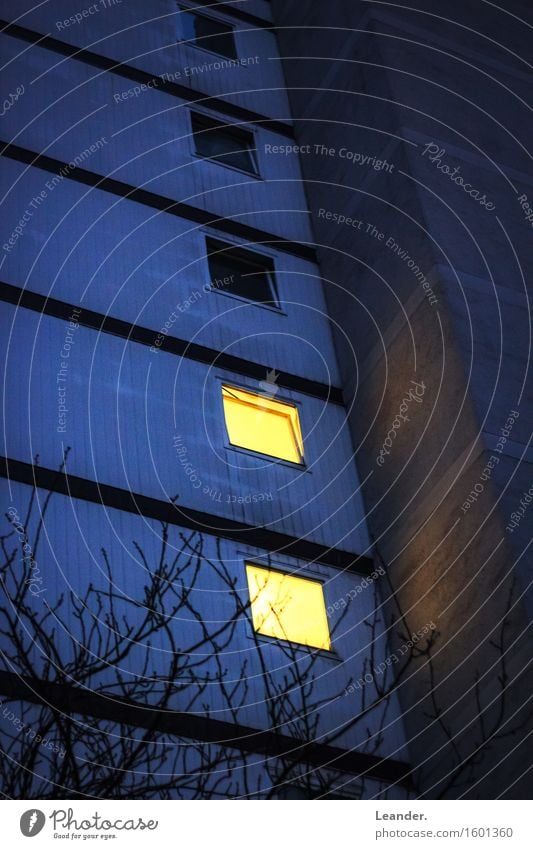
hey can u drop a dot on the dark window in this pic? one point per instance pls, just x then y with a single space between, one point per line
244 273
225 144
208 33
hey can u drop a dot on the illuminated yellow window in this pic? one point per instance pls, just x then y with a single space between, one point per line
263 424
288 607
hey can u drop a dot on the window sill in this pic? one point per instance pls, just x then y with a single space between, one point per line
301 467
255 174
201 49
287 645
249 301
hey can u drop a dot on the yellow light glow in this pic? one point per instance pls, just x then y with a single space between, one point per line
288 607
263 424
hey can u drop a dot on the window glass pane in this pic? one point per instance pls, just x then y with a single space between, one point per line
224 144
262 424
288 607
241 272
187 23
208 33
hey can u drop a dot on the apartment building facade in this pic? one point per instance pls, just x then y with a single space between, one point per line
267 417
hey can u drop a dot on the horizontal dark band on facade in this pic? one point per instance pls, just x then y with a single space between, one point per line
96 60
155 201
196 520
234 10
69 699
170 344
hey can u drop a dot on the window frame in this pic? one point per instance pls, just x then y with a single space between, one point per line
189 43
305 574
251 452
275 306
210 118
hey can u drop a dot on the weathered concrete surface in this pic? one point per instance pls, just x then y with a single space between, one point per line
403 87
